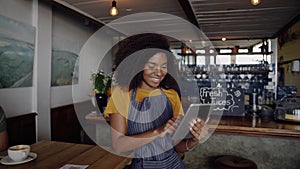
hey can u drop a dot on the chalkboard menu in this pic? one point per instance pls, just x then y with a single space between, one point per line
230 101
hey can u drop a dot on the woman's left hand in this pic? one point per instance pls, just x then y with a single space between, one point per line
198 128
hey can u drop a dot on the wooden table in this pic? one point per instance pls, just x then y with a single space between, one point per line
53 155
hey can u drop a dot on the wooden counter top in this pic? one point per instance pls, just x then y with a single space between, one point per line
241 126
258 127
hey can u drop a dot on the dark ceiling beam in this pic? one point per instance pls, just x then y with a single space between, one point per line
185 5
289 25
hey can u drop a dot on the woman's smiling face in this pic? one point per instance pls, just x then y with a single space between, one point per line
154 71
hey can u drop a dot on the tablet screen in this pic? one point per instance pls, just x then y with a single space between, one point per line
195 110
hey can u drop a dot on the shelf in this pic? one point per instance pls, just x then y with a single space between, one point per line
253 53
210 54
286 62
189 54
233 72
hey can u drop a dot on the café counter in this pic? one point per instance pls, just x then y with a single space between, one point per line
256 126
269 144
247 126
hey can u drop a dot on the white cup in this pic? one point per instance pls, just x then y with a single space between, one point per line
18 152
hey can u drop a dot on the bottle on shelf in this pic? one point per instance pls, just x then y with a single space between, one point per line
259 97
263 96
267 100
254 104
271 98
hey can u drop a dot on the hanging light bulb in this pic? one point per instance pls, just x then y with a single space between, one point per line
184 49
113 10
255 2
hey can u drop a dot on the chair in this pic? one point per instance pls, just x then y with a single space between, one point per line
21 129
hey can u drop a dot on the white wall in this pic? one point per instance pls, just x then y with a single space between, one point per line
92 56
16 101
17 9
69 34
54 29
77 35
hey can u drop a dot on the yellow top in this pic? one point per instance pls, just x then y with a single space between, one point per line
119 100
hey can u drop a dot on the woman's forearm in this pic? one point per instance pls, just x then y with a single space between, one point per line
121 142
186 145
124 143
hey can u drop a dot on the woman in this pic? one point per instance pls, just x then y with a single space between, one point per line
145 108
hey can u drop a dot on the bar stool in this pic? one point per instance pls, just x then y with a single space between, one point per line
234 162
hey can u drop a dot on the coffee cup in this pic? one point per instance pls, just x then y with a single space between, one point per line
18 152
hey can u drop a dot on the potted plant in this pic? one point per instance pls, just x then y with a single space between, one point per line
101 88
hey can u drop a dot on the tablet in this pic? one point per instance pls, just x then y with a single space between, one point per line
194 110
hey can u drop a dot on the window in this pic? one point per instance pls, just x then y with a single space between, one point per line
251 59
200 60
223 59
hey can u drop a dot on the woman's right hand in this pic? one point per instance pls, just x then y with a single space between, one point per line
170 127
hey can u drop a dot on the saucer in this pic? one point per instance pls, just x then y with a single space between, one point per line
7 161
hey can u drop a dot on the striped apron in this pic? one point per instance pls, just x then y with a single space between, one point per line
150 114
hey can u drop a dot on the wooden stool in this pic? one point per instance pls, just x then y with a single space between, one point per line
234 162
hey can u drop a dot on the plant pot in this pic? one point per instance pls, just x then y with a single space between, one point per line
101 101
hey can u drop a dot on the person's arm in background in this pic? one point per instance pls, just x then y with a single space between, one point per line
3 131
3 140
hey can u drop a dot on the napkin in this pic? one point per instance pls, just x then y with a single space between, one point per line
73 166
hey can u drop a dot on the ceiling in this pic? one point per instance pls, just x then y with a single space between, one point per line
240 22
